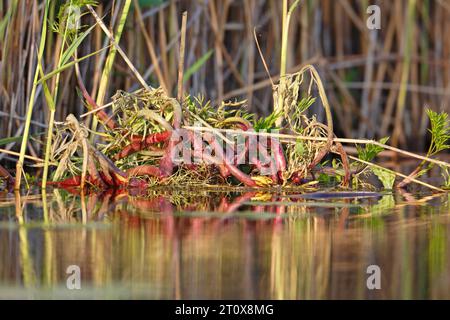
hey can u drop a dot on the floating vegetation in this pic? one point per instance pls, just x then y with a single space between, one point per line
151 139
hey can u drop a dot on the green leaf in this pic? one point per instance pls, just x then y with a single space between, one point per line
440 131
6 141
446 177
370 151
304 104
267 123
68 65
387 178
299 148
47 93
324 178
150 3
197 65
74 45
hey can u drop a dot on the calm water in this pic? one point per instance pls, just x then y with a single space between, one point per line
193 244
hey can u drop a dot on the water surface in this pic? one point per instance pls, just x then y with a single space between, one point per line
217 244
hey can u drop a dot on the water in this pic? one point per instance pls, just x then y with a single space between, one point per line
189 244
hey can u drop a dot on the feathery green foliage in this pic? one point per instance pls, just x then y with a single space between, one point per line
69 16
267 123
440 131
370 151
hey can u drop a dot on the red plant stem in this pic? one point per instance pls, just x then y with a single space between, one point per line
238 174
110 123
208 159
166 162
96 178
139 143
280 159
106 177
6 175
128 150
74 181
263 154
345 164
145 170
199 154
158 137
109 168
219 160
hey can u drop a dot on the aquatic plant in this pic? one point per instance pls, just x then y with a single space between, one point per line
141 137
440 135
363 74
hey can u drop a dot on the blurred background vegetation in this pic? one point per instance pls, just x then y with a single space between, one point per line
379 82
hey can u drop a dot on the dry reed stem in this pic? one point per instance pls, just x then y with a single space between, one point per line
151 49
119 49
182 57
17 154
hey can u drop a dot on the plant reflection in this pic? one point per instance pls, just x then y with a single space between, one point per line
224 244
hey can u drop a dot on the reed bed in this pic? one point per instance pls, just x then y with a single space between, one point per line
378 82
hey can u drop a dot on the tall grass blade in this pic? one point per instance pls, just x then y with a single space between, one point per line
23 147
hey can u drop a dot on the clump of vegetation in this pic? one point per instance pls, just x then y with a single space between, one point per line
138 147
141 134
440 135
7 177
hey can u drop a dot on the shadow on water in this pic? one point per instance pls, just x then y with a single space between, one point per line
217 244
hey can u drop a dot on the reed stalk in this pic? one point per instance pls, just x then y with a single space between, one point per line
23 147
409 34
104 80
51 102
182 57
286 16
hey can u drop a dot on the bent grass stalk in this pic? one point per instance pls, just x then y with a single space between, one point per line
104 80
119 49
23 147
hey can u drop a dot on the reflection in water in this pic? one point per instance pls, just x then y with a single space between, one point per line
202 244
